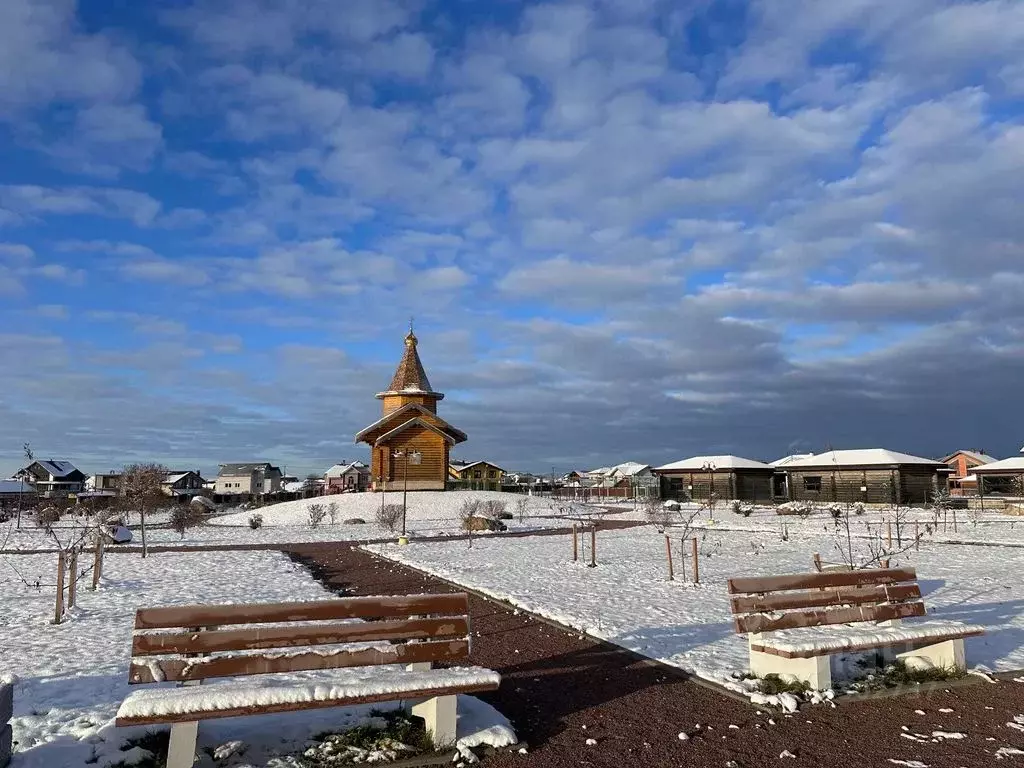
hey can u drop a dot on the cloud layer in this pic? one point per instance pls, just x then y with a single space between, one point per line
627 230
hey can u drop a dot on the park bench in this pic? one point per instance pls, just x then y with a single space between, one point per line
795 623
381 647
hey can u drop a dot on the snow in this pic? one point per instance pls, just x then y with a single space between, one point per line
1013 464
697 463
859 458
628 600
834 639
264 692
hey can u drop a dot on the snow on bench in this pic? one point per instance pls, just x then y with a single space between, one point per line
382 646
796 622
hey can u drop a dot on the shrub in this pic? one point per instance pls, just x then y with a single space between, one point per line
773 684
469 508
332 512
801 508
740 508
317 513
47 516
256 521
858 508
521 506
388 516
494 509
184 517
835 510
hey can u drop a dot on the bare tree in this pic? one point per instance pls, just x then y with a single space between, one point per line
468 512
388 516
521 506
142 489
332 512
317 513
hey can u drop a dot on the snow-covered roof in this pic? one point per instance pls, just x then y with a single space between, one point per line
340 469
172 477
629 468
1012 465
865 457
57 468
16 486
294 487
789 459
461 466
697 463
984 458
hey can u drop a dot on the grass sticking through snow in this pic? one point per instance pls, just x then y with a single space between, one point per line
773 684
899 674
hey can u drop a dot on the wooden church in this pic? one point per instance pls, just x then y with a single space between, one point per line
410 444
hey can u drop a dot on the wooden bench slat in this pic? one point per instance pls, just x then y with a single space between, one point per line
261 638
857 647
178 670
423 693
759 622
765 584
836 596
316 610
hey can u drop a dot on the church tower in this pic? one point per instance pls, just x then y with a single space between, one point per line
410 444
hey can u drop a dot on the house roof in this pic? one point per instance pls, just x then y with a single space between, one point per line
410 378
57 468
629 468
461 466
245 468
865 457
1012 465
727 461
458 434
984 458
16 486
340 469
789 459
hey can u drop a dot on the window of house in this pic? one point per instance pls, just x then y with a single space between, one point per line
476 474
492 474
812 483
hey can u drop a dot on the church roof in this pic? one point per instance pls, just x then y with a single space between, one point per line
408 412
410 378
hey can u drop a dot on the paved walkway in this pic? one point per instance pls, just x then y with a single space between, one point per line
560 689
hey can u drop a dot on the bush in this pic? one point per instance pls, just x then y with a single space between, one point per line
836 510
47 516
801 508
184 517
494 509
858 508
256 521
317 513
773 684
740 508
469 508
388 516
332 512
521 506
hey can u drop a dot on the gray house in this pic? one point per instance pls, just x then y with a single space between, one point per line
250 479
53 478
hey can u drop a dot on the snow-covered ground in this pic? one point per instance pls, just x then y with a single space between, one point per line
73 677
430 514
628 600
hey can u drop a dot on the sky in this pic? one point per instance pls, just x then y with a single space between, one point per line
626 229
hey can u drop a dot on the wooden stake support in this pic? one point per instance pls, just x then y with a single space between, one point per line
593 547
696 566
73 578
97 563
682 556
917 536
888 533
58 611
668 552
954 521
575 544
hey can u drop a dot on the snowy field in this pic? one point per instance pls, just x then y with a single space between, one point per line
430 514
628 600
72 677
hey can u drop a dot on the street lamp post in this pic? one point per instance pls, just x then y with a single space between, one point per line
413 457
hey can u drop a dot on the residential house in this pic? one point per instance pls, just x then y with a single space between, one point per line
962 481
726 476
1002 478
182 485
410 444
347 476
475 475
109 482
248 479
873 475
53 478
13 493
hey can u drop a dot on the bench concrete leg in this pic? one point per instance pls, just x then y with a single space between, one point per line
947 654
439 714
182 750
815 671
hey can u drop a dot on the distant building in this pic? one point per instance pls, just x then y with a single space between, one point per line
727 476
789 459
107 482
347 476
963 481
476 475
873 475
251 479
14 492
1002 478
183 484
410 444
53 478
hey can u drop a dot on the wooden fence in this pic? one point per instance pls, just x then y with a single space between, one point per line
6 710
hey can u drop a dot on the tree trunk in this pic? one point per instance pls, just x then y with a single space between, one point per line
145 549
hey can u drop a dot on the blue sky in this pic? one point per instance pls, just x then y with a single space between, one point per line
627 229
